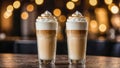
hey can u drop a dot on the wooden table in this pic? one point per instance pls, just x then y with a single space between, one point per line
31 61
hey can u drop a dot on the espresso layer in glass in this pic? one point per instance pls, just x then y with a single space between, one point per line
77 40
46 40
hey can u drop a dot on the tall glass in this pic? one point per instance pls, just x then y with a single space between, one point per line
46 26
76 29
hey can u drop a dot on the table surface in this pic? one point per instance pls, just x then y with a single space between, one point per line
31 61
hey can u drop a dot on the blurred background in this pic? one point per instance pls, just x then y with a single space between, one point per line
17 24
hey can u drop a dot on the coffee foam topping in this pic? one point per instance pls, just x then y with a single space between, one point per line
76 22
46 17
46 21
76 17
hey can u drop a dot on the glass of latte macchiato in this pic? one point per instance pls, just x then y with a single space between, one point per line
76 30
46 27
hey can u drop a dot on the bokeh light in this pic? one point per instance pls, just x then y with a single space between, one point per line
16 4
57 12
115 20
93 2
110 5
10 8
93 23
74 0
108 1
102 16
6 15
101 38
24 15
39 2
70 5
30 8
114 9
102 28
62 18
119 4
2 35
93 26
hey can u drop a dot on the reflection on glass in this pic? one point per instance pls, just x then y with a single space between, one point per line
76 66
5 62
47 66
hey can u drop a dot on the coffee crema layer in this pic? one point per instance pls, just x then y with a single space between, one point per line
46 33
74 33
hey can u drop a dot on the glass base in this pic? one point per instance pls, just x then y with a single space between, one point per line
82 61
47 66
77 66
46 61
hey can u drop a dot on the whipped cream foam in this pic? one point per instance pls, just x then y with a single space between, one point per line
46 21
76 22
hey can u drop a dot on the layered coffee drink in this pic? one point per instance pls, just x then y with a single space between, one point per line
46 27
76 29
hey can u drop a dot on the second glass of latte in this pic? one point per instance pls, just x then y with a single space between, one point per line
76 30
